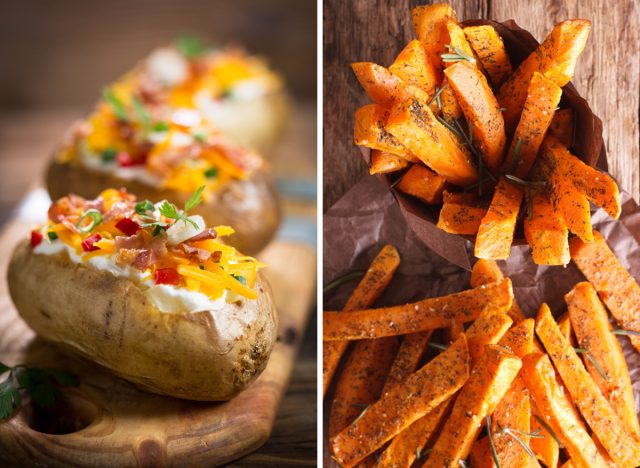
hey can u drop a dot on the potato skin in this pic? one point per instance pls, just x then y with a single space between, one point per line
250 206
109 320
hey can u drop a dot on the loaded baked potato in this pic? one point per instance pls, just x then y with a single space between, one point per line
148 292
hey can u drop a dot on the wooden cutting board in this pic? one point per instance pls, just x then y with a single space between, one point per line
108 422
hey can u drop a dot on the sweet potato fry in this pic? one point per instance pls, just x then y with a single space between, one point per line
403 404
564 324
424 315
383 163
375 281
487 271
593 332
407 359
451 110
481 109
546 232
555 58
557 411
546 448
461 213
542 100
415 127
414 67
369 131
408 445
519 339
361 381
480 455
593 406
489 49
423 183
568 201
489 381
562 126
430 24
382 86
599 187
616 287
495 234
486 329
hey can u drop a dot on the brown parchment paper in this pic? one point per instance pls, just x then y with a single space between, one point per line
367 217
588 146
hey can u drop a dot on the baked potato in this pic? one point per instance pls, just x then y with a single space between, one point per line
149 293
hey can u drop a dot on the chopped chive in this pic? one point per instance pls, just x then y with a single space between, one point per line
211 173
52 235
109 155
241 279
96 218
160 127
341 280
116 104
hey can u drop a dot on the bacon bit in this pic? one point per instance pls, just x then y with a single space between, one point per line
216 256
167 276
128 226
143 260
71 205
201 254
128 243
87 244
36 238
124 159
209 233
121 209
97 204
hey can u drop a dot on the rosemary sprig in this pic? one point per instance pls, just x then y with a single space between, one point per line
625 332
514 434
494 453
436 96
548 429
341 280
456 55
516 156
463 464
593 361
361 414
525 183
502 109
395 182
439 346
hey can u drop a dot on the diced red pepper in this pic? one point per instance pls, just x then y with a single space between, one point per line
87 244
36 238
124 159
167 276
128 226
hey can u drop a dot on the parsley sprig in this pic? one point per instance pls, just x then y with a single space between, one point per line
41 384
190 46
169 210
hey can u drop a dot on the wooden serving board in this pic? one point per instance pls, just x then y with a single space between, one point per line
109 422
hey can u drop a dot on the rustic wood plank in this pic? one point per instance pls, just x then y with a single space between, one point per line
607 74
360 30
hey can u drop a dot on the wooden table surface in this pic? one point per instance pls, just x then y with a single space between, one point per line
26 141
607 74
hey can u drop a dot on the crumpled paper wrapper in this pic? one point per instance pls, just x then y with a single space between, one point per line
588 146
367 217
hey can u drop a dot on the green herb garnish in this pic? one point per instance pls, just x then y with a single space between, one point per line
190 46
341 280
96 218
544 424
625 332
52 235
241 279
494 453
593 361
200 137
516 156
40 383
361 414
116 104
435 345
160 127
169 210
456 55
144 206
515 436
143 115
109 155
211 173
436 96
525 183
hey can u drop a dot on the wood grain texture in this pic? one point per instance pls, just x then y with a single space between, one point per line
128 427
608 72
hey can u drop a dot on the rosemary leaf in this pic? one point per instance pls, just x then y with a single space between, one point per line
590 357
515 437
341 280
625 332
436 96
456 55
440 346
525 183
516 156
360 416
548 429
494 453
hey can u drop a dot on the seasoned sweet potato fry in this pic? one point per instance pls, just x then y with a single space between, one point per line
361 381
489 49
414 67
382 86
495 235
616 287
424 315
519 339
546 448
480 455
383 163
569 202
403 404
555 408
599 187
375 281
407 359
487 271
593 406
486 329
461 213
555 58
430 24
593 332
481 109
487 384
564 324
415 127
562 126
451 110
546 232
407 446
369 130
423 183
542 100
